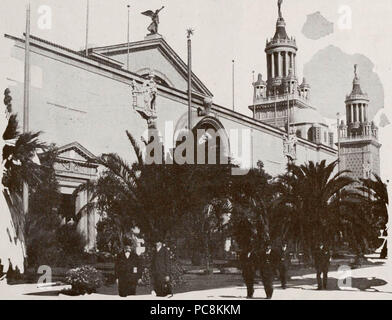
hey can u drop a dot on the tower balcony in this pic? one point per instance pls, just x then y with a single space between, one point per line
273 43
281 98
372 135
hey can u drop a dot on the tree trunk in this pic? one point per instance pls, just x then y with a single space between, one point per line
207 257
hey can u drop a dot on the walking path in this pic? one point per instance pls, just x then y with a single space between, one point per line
370 283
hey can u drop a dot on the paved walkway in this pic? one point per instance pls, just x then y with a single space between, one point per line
366 284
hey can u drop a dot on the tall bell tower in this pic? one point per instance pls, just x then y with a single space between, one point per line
281 52
280 100
359 146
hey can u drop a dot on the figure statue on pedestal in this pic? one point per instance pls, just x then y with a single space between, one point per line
289 146
153 27
144 99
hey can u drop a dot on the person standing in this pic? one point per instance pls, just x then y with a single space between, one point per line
128 272
160 270
282 263
247 262
322 258
267 270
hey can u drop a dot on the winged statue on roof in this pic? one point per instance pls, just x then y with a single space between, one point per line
154 15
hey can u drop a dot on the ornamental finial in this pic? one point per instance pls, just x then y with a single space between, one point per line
280 8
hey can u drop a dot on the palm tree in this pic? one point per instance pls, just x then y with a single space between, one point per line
151 197
307 207
20 157
375 197
21 165
251 196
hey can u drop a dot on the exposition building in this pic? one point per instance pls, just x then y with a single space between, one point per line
85 102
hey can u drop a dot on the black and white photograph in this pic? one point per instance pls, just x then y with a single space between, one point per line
200 150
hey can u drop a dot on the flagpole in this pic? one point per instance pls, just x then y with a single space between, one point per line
87 22
128 36
189 33
26 99
233 83
288 121
338 123
288 113
254 95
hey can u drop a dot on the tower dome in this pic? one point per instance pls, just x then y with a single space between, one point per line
304 89
357 90
260 87
357 103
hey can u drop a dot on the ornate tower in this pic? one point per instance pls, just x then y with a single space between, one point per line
359 146
281 53
281 101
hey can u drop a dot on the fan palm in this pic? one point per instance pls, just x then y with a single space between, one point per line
374 195
306 205
151 197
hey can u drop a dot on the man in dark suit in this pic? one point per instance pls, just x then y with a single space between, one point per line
248 262
322 258
128 271
160 270
282 262
267 270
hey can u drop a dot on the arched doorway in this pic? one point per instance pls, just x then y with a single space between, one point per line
210 142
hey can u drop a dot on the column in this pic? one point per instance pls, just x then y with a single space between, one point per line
347 114
365 112
294 65
278 71
287 63
268 66
359 112
352 113
272 65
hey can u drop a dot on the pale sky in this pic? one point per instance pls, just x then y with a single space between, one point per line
224 30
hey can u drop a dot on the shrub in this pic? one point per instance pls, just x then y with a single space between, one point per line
85 279
109 236
51 243
70 240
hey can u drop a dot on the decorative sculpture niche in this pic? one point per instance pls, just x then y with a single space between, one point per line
206 109
289 146
144 99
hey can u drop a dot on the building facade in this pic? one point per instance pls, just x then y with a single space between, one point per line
85 102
